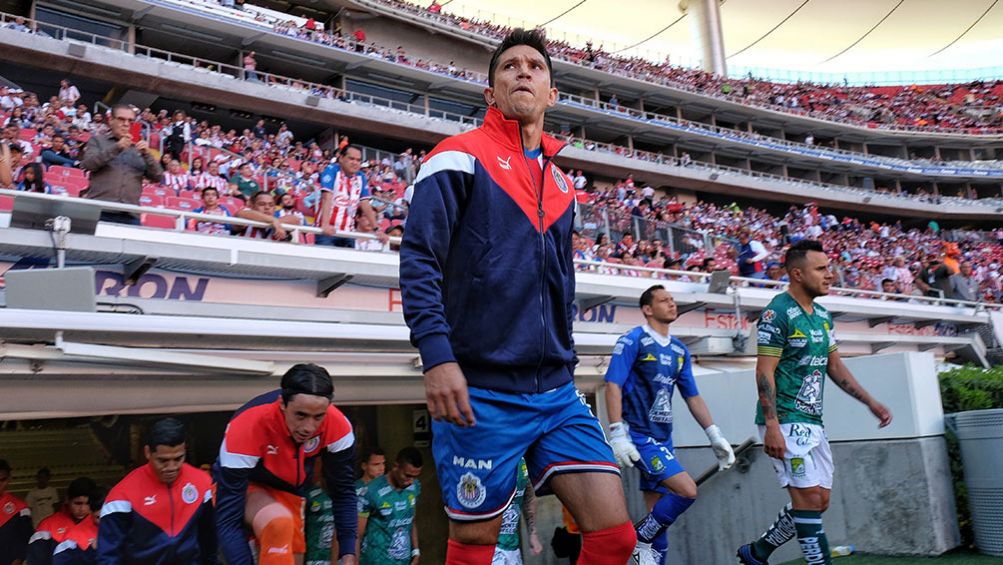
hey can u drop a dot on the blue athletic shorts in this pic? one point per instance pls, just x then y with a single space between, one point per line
658 462
555 430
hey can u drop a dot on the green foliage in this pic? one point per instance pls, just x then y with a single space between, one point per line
961 389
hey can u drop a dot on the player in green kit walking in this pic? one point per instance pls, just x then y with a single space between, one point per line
386 516
797 349
318 526
524 504
374 464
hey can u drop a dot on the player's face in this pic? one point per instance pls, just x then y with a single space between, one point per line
304 414
816 277
522 89
404 475
375 467
80 507
166 461
4 481
663 307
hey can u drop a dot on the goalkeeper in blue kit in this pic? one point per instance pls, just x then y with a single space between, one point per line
646 366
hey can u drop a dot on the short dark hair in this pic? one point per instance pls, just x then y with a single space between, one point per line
80 486
532 38
886 281
259 194
706 262
410 456
4 466
169 432
368 453
44 471
344 151
797 252
208 188
306 378
97 496
648 296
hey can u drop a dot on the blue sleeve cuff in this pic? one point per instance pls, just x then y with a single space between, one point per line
435 350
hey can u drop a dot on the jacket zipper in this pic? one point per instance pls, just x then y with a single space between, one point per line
170 502
298 465
543 258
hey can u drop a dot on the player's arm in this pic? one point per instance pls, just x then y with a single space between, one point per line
439 197
620 365
114 529
233 470
701 413
766 385
415 551
844 379
40 547
326 201
339 474
208 547
363 521
22 530
529 514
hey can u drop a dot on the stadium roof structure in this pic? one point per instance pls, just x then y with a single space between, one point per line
813 36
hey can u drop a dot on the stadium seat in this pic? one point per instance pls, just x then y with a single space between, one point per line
6 203
151 200
178 203
158 190
232 204
64 172
188 194
157 221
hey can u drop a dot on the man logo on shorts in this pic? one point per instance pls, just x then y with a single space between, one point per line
470 492
798 468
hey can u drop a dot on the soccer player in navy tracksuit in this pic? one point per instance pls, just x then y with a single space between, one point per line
69 535
15 521
488 287
161 513
647 365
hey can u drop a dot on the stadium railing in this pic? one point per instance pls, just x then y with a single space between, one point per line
926 167
233 72
444 23
600 267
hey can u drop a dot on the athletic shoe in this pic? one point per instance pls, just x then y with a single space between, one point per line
644 555
748 557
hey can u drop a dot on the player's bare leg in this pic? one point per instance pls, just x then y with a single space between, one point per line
597 503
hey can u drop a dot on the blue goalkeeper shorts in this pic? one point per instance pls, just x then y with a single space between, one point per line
658 462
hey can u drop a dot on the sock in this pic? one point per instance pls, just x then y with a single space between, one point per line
781 532
463 554
275 542
662 515
811 536
611 546
661 545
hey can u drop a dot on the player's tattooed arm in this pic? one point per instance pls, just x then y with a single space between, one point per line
767 396
844 379
529 508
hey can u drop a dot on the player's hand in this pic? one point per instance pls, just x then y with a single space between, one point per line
773 442
124 143
623 448
535 547
722 449
447 395
329 231
414 560
142 146
348 559
882 413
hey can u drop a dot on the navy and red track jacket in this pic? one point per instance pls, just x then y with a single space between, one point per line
145 520
257 447
15 528
486 266
59 534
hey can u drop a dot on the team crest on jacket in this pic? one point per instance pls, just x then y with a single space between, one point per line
189 494
470 492
311 444
562 183
8 508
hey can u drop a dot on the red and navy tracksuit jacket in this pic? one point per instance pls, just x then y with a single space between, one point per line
61 539
146 521
257 447
486 266
15 528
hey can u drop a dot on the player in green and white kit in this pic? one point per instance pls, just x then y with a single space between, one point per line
318 527
387 531
523 503
797 348
374 464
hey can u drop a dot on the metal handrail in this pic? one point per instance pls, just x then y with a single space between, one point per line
205 65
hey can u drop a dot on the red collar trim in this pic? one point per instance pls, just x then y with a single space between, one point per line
508 133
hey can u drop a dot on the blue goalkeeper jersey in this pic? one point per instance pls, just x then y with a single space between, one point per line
649 367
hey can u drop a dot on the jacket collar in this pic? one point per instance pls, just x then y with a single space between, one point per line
508 133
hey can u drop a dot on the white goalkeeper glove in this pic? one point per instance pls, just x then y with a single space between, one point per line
623 448
722 449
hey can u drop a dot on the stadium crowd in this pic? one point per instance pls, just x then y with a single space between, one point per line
267 158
